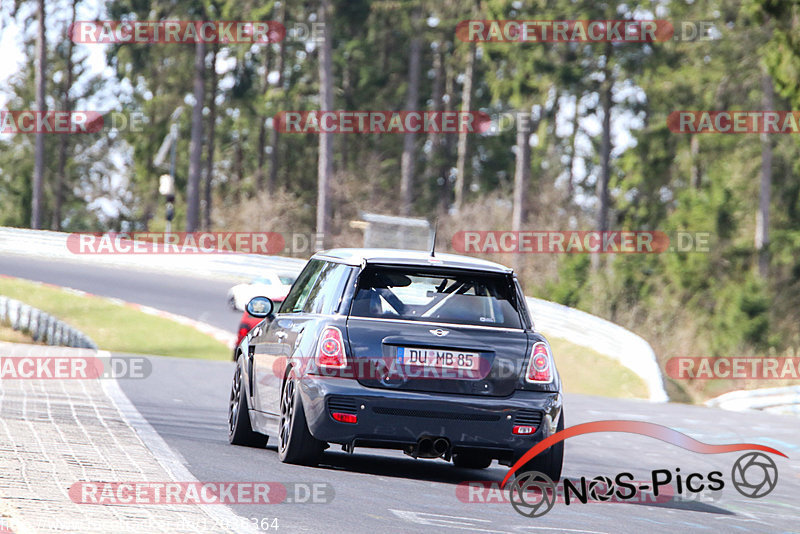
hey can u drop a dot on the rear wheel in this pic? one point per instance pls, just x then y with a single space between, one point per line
239 430
296 445
472 460
550 461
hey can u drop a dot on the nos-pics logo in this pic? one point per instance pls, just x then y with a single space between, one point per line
533 494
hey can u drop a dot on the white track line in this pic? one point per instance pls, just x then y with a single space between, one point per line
169 459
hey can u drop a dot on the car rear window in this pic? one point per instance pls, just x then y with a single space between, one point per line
459 297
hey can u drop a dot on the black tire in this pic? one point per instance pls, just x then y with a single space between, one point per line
239 430
472 460
296 445
550 461
232 303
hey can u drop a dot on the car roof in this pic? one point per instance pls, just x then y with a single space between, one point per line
360 256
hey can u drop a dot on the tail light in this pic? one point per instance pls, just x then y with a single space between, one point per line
330 352
540 367
345 417
523 430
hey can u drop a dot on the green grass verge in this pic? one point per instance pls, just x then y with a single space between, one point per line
115 327
588 372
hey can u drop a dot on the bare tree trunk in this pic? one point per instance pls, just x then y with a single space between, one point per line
601 187
196 143
347 97
522 172
572 147
605 170
325 161
408 159
212 129
762 216
694 149
262 128
61 178
262 134
434 138
447 143
550 116
273 134
38 166
238 165
466 103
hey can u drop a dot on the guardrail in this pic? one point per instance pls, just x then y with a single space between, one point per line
41 326
53 246
784 400
603 336
553 319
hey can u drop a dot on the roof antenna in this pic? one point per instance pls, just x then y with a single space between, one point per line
433 241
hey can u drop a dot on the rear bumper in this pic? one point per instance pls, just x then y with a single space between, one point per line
396 419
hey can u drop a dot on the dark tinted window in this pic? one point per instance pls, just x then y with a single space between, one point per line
296 299
324 296
452 297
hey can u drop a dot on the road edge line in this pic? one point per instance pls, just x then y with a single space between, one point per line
172 462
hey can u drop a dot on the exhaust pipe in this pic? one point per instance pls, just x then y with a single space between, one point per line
441 446
425 448
428 447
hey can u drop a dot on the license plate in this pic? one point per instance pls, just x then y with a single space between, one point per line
443 359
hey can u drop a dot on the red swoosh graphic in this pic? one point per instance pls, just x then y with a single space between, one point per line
635 427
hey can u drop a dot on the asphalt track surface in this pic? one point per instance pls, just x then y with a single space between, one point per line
377 491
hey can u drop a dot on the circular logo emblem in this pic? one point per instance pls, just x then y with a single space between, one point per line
754 475
532 494
601 488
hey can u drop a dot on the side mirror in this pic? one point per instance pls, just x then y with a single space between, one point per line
260 307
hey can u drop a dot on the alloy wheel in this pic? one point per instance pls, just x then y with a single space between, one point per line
233 406
287 411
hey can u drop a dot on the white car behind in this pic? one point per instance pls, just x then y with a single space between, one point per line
270 284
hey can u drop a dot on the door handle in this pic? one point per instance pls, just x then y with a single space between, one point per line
281 336
299 337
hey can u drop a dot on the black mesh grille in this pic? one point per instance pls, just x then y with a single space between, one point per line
528 418
404 412
342 405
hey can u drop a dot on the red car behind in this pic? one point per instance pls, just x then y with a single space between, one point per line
247 322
